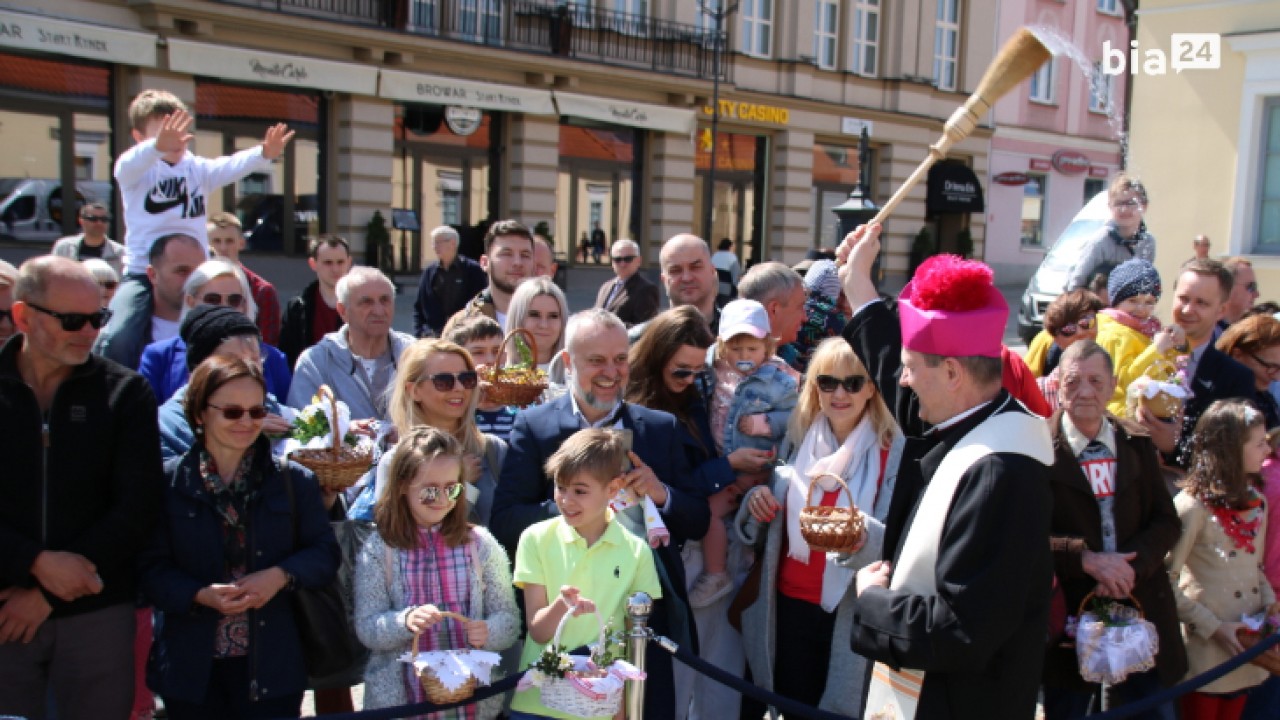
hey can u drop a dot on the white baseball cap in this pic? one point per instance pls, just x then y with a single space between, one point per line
741 317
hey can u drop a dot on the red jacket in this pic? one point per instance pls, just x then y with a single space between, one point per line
1018 379
264 296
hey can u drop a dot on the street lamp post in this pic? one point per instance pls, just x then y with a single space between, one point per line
859 209
709 184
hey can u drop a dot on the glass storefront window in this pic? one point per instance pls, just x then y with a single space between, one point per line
56 132
738 197
1033 194
444 177
281 205
835 175
598 188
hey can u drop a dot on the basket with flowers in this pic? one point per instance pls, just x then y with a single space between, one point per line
581 686
1163 390
337 459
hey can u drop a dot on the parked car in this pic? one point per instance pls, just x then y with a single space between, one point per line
31 208
1050 279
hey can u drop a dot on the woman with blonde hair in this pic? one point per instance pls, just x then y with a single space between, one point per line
840 426
436 386
539 306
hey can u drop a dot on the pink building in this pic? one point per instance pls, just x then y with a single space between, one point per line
1056 142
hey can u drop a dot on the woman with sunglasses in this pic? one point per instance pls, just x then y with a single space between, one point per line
239 531
108 279
803 612
1070 318
668 373
436 386
1255 343
214 282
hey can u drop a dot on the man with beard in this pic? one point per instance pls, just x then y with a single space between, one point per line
596 354
507 260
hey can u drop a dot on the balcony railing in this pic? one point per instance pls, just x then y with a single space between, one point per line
547 27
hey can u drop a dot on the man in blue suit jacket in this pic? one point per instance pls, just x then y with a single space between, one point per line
446 285
596 346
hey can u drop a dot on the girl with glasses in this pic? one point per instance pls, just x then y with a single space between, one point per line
213 282
239 531
436 386
802 612
426 559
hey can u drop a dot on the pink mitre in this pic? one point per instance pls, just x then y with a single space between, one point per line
952 308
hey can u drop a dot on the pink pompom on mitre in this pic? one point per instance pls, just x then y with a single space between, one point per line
951 283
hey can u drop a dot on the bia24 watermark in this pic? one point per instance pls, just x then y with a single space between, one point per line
1187 51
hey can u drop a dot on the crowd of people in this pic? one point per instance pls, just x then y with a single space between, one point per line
158 535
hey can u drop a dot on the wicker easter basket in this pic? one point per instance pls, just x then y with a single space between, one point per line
563 695
1107 652
1267 660
435 689
1163 405
508 386
337 467
831 529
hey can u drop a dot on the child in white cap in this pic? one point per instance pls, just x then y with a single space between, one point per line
753 399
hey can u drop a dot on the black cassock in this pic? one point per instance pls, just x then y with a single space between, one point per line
980 640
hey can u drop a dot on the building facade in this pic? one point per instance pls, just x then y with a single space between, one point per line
570 116
1058 136
1207 140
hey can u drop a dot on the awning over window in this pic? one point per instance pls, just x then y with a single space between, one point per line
625 112
62 37
260 66
416 87
953 188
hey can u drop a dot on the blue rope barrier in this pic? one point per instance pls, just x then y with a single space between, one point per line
402 711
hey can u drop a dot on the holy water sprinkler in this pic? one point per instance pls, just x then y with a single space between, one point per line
1021 56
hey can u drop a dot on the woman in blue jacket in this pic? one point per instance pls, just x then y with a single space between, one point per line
230 547
214 282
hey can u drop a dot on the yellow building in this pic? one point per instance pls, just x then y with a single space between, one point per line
1207 141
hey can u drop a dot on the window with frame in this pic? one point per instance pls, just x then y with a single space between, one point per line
1100 87
865 38
757 27
946 44
1268 238
1110 7
825 23
480 21
1093 186
1033 194
1042 82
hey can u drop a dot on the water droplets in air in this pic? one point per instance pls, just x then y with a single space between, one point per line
1064 47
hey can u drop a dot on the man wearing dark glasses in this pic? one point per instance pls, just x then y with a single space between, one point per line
92 242
1244 291
81 486
628 295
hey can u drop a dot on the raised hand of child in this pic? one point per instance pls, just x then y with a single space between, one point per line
422 617
756 425
173 136
477 633
277 137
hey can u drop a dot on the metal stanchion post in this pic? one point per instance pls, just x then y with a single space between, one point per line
639 606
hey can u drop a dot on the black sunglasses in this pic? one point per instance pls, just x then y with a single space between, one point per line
95 218
72 322
235 412
851 384
1251 286
624 259
432 493
234 300
443 382
1084 323
686 373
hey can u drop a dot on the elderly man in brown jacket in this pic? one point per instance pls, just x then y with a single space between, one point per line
1113 522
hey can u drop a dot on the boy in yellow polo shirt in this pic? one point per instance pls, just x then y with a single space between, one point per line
581 561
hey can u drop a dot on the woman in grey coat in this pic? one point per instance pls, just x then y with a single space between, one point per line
804 606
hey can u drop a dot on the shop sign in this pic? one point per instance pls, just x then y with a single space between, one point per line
854 126
1070 162
463 121
1040 164
1098 172
30 32
623 112
271 68
755 112
1012 178
439 90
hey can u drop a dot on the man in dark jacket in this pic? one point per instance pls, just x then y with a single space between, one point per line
446 284
629 295
314 313
1113 523
961 610
82 485
596 342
